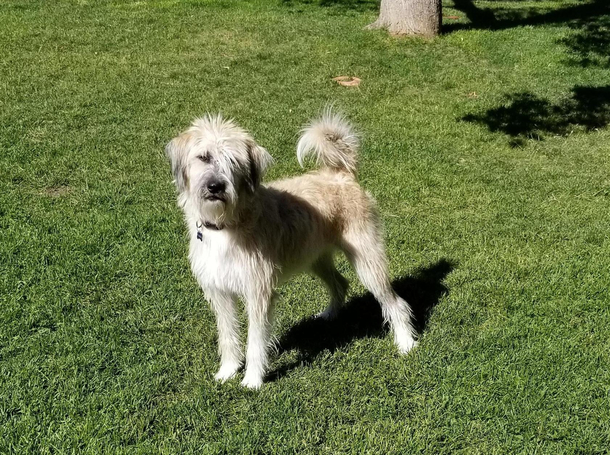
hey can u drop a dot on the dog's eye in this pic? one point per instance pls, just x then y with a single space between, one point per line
204 158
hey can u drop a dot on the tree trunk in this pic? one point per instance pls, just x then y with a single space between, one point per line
410 17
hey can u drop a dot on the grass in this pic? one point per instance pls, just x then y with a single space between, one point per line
487 150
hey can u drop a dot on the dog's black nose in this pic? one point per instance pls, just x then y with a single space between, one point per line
216 187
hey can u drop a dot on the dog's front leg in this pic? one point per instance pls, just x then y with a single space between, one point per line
260 323
228 335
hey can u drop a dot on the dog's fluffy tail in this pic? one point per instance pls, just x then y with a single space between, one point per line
332 142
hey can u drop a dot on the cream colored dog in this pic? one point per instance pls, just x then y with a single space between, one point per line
247 238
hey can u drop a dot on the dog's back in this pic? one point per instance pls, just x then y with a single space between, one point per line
319 207
331 193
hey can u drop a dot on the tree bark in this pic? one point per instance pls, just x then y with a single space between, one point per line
410 17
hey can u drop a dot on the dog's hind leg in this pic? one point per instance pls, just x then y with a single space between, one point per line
228 335
260 323
364 248
336 284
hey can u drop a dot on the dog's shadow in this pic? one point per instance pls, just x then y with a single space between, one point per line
361 318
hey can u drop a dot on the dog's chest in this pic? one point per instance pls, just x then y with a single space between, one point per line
218 264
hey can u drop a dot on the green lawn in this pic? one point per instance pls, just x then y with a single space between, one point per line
487 150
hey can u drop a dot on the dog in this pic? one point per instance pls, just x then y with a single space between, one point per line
247 238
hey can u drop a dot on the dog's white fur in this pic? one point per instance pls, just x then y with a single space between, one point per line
253 237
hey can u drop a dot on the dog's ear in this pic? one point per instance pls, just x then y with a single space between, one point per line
177 151
260 160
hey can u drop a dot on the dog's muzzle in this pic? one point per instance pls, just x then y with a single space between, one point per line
214 190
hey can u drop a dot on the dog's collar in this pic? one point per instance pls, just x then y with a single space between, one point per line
207 225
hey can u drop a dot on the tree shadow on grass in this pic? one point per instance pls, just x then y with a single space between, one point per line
476 16
505 18
589 44
361 317
526 116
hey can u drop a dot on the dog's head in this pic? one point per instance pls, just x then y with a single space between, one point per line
216 165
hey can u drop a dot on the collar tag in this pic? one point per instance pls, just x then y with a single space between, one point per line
199 225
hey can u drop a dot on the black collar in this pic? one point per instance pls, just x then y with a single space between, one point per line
207 225
212 226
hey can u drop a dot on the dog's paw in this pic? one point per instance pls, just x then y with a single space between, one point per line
405 343
227 371
252 382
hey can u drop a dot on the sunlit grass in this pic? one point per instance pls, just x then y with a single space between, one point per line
487 151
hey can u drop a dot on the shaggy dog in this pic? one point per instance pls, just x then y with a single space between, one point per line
247 238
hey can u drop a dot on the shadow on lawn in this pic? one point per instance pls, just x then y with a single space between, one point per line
527 116
504 18
361 317
589 44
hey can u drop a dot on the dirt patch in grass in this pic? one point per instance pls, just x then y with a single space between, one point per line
57 191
